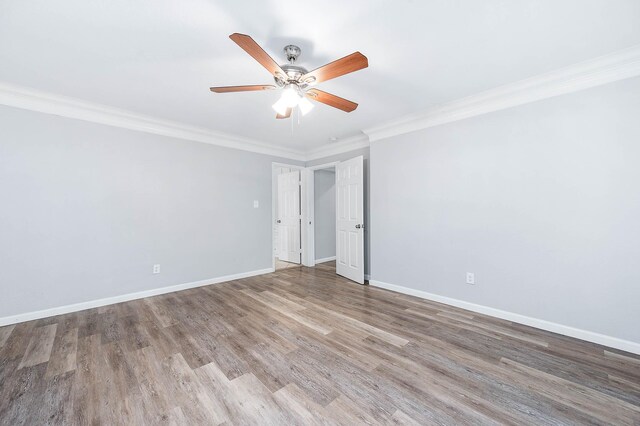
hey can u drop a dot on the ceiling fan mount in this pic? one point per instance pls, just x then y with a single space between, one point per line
295 79
292 51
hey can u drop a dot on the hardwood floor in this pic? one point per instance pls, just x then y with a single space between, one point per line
281 264
303 346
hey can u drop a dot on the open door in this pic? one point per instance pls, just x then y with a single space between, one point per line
289 217
350 219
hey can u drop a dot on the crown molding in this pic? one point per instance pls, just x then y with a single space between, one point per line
343 145
33 100
595 72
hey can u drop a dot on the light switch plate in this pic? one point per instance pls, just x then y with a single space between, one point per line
256 204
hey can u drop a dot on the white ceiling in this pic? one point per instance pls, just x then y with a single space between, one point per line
159 57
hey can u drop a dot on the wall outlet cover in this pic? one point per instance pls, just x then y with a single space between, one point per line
471 278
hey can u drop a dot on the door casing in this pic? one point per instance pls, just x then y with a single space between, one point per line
309 223
303 210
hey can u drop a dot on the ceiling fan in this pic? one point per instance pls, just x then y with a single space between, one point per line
295 79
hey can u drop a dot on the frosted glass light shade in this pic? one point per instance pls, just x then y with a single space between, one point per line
305 105
280 107
290 96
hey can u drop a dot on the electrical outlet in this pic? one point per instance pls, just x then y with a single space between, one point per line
156 269
471 278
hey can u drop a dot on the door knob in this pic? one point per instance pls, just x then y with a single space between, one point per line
278 221
358 226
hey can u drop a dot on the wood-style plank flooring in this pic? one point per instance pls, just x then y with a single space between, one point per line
281 264
303 346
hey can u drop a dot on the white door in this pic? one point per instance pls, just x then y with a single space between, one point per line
350 219
289 216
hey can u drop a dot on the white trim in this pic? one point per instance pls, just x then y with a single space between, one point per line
275 164
325 259
48 103
29 316
305 258
344 145
303 210
310 223
604 69
595 72
565 330
323 166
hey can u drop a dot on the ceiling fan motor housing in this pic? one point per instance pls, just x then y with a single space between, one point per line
293 72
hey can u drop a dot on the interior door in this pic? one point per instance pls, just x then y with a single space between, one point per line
289 216
350 219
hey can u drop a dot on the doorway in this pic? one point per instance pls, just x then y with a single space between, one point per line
324 214
347 232
294 224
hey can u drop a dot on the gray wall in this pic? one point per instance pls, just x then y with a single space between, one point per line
324 193
86 210
367 231
541 202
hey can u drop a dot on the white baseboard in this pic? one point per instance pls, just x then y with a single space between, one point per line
565 330
326 259
29 316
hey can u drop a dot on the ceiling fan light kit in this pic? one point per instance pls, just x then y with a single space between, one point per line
280 107
305 106
291 95
295 80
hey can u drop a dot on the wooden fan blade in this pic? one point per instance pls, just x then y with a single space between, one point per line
354 62
228 89
252 48
331 100
286 114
